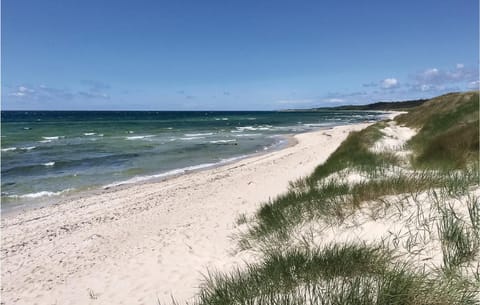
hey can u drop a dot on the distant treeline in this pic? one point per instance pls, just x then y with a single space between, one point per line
384 105
373 106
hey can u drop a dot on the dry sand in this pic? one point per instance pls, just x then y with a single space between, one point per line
146 242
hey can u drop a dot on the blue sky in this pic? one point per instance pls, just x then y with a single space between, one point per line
233 55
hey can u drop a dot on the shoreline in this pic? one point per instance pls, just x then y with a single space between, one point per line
75 194
70 194
147 241
19 193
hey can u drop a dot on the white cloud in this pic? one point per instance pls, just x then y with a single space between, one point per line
474 85
436 77
17 94
425 87
431 72
334 100
93 90
389 83
21 91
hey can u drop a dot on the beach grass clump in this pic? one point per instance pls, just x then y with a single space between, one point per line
334 274
459 236
355 153
451 149
293 206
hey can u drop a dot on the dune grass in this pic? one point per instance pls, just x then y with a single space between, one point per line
448 135
355 153
460 238
334 200
336 274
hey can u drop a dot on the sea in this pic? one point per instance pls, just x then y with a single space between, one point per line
47 155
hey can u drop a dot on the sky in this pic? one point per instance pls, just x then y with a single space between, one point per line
233 55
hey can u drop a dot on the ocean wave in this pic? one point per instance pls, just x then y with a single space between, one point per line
198 134
161 175
53 138
49 164
139 137
9 149
222 141
247 135
246 128
252 128
317 124
174 172
28 148
191 138
39 194
89 134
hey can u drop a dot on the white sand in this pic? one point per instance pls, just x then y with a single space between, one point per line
136 244
394 139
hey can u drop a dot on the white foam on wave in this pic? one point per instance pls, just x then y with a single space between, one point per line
252 128
45 141
198 134
28 148
191 138
139 137
49 164
222 141
247 135
174 172
161 175
89 134
53 138
9 149
317 124
39 194
246 128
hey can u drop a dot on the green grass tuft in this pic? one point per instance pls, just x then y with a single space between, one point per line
355 153
337 274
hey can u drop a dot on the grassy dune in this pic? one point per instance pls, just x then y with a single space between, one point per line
448 134
369 226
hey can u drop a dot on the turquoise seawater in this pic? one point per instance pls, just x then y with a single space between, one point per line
46 154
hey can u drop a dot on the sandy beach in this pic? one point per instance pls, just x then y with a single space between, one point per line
147 242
